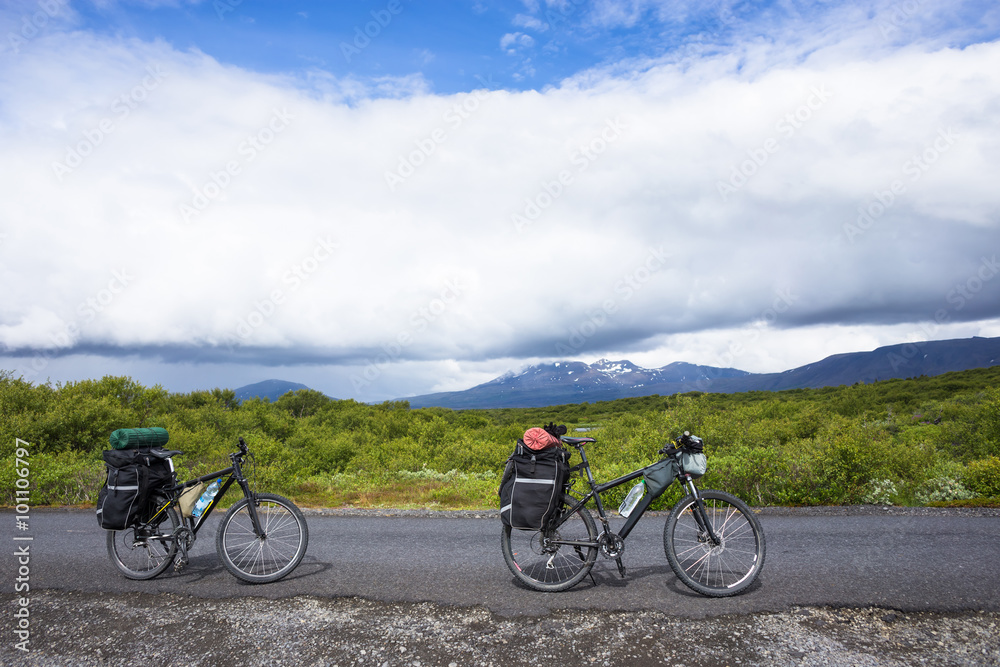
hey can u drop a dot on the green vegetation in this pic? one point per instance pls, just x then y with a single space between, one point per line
927 440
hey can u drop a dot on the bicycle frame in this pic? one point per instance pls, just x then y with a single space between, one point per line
597 489
235 474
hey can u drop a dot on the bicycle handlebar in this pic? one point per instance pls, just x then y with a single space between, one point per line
685 440
672 446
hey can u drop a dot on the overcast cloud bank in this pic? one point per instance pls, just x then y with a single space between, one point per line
757 204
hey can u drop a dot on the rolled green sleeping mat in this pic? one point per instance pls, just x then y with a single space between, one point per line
132 438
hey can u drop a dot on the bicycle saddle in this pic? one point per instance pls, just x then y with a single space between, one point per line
576 441
164 453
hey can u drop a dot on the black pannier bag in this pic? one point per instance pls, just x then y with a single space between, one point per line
532 486
134 475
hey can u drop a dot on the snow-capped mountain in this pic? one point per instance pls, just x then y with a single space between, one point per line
605 374
565 382
575 382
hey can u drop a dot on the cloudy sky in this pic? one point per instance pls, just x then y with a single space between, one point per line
387 198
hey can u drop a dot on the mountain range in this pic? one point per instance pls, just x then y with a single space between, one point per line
270 389
566 382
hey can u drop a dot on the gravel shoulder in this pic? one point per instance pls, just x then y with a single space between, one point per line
70 628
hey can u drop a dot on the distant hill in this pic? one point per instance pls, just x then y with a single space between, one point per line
885 363
270 389
576 382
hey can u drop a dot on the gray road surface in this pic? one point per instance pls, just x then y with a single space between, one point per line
937 561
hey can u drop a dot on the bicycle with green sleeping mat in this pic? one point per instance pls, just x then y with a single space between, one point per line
261 539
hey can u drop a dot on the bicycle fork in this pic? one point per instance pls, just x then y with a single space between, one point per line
258 528
701 514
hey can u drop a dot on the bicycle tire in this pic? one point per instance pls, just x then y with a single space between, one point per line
556 567
722 570
262 560
140 552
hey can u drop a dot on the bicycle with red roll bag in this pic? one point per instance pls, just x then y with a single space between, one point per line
712 539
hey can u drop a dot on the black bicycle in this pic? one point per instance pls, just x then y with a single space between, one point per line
712 539
261 539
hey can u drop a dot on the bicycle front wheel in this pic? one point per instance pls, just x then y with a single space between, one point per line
716 570
541 560
271 555
146 550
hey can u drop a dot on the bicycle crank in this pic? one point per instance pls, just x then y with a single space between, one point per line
612 545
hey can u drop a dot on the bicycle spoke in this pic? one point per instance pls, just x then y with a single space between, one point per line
271 555
541 562
145 551
714 568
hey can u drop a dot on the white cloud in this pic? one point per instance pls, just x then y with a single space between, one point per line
349 220
513 41
529 22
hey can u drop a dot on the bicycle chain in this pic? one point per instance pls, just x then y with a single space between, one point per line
612 545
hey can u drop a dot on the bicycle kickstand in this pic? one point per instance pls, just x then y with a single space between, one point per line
181 560
621 566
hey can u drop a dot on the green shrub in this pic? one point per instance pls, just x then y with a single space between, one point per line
943 484
983 477
70 478
898 441
880 492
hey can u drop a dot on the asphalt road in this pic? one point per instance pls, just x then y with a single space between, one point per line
938 562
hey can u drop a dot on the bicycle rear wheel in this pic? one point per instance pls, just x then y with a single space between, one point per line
716 570
146 550
277 552
540 561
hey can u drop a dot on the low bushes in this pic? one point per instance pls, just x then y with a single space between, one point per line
925 440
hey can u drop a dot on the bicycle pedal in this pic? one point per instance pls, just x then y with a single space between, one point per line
621 567
180 564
